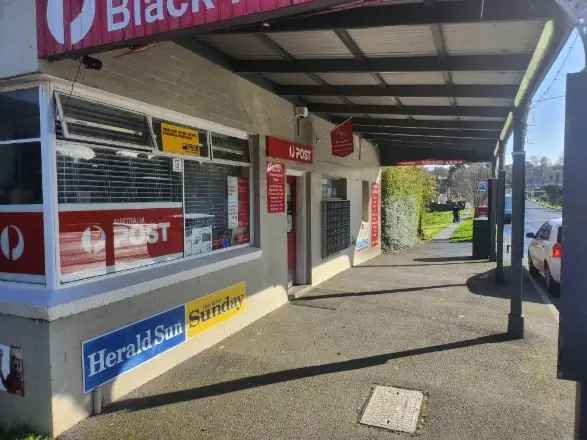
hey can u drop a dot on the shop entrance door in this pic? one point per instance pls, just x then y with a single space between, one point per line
291 229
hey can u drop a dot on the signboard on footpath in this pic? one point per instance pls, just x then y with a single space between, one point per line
342 140
275 188
22 250
75 25
282 149
375 215
108 356
97 242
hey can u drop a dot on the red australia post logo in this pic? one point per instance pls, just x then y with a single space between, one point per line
22 249
77 28
12 243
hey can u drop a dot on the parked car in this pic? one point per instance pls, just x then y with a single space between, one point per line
508 209
545 253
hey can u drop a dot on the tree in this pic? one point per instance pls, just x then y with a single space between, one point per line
467 182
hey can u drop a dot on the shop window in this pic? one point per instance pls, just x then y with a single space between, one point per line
20 174
217 214
230 148
19 115
80 119
334 189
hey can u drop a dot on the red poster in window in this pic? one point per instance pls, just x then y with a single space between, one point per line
243 202
21 243
342 140
98 242
275 188
375 214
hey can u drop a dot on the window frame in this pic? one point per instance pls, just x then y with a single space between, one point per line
48 87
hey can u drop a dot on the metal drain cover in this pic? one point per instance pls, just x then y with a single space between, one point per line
392 408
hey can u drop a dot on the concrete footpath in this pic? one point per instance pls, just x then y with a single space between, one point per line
429 319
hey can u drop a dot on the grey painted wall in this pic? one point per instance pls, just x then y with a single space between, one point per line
18 55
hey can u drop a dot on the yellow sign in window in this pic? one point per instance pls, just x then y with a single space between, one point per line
206 312
180 140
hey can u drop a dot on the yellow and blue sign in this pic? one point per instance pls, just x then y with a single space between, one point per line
120 351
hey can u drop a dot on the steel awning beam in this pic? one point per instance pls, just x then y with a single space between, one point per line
447 12
424 123
516 62
439 146
472 91
424 110
430 132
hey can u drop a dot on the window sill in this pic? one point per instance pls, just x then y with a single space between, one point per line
39 303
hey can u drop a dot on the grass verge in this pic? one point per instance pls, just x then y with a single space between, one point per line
434 222
464 232
21 433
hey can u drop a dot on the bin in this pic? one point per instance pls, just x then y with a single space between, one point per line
481 238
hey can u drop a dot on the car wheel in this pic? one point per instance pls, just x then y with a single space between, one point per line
551 285
531 268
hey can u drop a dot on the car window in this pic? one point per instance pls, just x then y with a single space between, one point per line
544 232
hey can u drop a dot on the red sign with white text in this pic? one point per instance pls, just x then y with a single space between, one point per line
283 149
341 138
98 242
22 249
72 25
375 214
275 188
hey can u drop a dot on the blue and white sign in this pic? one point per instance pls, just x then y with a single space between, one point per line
108 356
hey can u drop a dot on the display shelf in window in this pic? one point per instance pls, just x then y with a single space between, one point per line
81 119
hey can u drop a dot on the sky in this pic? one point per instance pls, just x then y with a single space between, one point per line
546 119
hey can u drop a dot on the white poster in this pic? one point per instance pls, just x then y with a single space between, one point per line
232 202
363 237
199 241
11 370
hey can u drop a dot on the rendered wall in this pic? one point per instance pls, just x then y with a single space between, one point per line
18 56
170 76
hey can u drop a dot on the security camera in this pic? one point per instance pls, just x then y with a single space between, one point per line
301 112
91 63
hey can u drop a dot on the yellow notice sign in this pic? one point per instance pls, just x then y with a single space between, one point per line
180 140
206 312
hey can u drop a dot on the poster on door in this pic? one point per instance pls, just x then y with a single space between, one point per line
232 190
11 370
275 188
375 215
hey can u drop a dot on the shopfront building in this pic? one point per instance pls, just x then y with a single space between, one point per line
150 209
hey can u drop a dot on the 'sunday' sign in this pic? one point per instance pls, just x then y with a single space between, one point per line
72 25
120 351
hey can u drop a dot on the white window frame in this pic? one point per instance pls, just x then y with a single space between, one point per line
48 87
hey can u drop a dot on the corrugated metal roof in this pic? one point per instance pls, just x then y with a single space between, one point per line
481 118
242 46
412 100
492 38
323 99
291 79
486 102
373 100
394 41
487 77
399 78
380 116
312 44
349 78
436 118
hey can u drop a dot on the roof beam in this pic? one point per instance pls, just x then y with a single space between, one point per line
430 132
434 145
516 62
414 14
473 91
444 141
424 123
500 112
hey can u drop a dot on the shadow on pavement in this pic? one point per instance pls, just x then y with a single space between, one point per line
484 284
141 403
376 292
449 259
366 266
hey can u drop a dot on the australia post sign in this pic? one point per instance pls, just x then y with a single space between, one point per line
72 25
288 150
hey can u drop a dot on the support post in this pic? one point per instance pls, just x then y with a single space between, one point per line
499 272
492 188
572 356
516 318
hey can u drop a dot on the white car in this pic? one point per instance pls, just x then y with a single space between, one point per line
545 252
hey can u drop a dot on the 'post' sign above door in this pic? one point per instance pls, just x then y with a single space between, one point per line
287 150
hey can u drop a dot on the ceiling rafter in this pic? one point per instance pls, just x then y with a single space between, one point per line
494 126
496 112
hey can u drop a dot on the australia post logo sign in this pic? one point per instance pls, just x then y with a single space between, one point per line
21 243
71 25
289 150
